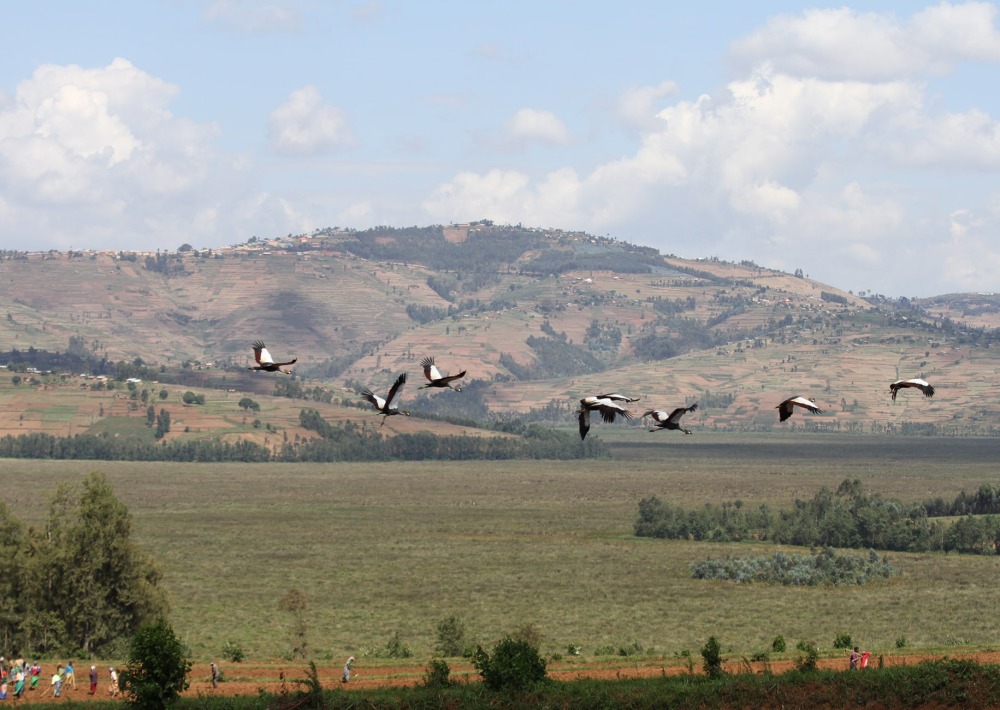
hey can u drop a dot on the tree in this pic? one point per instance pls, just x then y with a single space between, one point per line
157 667
12 545
85 568
294 602
162 423
712 658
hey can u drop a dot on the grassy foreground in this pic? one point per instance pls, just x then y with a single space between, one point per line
381 549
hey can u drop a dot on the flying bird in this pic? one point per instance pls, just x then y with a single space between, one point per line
614 397
608 405
670 421
786 408
266 362
388 406
922 385
436 379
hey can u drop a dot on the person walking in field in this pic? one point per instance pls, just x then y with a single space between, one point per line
69 679
93 680
215 676
347 670
855 658
35 673
113 687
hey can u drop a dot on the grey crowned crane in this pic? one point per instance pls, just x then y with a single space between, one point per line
922 385
786 408
436 379
266 362
608 405
388 406
671 421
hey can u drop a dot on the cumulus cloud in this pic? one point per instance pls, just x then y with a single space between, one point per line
529 125
815 155
305 125
94 156
638 106
843 43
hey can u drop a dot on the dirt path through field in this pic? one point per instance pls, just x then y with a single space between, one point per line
274 677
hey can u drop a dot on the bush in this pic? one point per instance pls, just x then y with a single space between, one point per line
514 666
232 651
156 671
807 661
778 645
843 641
901 642
437 675
711 653
451 637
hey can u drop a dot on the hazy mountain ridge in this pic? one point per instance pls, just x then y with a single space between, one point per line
589 313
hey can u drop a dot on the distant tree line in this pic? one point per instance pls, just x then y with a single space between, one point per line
847 518
77 583
348 442
105 447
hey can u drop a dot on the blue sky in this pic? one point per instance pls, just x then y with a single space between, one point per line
860 143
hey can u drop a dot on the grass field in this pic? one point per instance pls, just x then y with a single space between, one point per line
396 547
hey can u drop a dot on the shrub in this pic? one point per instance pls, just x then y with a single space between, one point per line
513 666
806 661
156 671
843 641
437 674
901 642
778 645
232 651
451 637
711 654
394 648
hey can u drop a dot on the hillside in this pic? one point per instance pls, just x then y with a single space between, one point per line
539 318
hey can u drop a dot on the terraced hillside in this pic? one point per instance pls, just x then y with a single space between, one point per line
538 317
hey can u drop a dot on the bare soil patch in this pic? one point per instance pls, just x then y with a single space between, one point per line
279 676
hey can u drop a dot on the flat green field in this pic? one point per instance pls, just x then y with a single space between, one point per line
396 547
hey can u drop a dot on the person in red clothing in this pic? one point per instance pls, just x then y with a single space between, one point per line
93 680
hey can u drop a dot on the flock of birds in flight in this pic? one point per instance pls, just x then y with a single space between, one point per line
610 406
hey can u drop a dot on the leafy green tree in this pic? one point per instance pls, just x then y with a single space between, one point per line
12 545
711 655
157 667
162 424
85 568
248 403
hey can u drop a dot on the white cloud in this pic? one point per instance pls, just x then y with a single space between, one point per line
844 43
637 106
94 156
794 164
529 125
305 125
